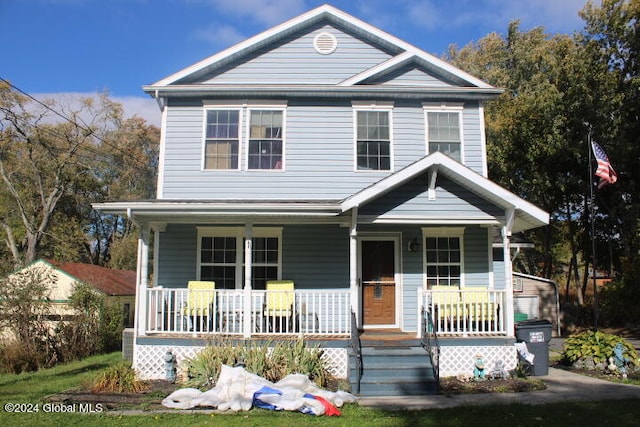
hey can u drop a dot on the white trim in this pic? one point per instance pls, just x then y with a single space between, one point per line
375 106
492 279
404 57
483 141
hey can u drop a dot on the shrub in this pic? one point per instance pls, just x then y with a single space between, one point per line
268 360
119 378
204 368
595 345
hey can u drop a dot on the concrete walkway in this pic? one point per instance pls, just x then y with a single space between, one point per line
562 386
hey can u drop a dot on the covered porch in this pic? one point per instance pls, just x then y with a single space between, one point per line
323 313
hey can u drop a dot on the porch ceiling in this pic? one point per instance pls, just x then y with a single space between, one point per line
230 211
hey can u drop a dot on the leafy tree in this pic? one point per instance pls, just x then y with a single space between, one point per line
40 163
535 140
129 173
611 40
56 158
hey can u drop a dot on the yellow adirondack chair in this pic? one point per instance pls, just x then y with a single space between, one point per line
201 305
447 305
279 306
480 309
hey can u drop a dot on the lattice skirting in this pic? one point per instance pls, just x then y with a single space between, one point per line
459 360
148 359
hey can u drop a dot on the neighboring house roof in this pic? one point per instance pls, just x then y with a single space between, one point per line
108 281
189 80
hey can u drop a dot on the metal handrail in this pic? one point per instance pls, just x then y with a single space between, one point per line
429 341
356 348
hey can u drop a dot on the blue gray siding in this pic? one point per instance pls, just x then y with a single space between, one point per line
316 256
319 154
296 62
410 76
411 200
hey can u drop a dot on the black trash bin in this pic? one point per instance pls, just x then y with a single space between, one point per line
536 334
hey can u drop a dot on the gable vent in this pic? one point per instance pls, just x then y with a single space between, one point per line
325 43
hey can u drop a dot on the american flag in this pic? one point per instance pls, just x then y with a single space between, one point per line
605 172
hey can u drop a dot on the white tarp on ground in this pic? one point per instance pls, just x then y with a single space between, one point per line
238 390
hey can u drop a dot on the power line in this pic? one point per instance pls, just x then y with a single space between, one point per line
74 123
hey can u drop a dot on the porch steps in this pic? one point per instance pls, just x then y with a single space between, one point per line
393 368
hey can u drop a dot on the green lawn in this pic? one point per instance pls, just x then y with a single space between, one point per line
32 388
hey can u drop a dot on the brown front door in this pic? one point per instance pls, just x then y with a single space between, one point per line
378 282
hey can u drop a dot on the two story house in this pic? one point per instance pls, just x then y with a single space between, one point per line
341 169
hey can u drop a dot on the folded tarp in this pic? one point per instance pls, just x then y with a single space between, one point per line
237 389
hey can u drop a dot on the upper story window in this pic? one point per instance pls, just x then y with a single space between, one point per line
444 131
265 139
373 138
222 139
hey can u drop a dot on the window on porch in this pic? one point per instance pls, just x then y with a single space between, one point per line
443 261
221 257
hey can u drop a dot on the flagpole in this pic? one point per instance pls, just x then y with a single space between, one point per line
593 233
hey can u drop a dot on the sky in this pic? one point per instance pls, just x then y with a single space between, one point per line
53 47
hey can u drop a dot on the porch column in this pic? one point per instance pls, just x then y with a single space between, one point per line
248 303
353 265
508 276
142 280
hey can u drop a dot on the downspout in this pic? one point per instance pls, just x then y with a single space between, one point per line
508 273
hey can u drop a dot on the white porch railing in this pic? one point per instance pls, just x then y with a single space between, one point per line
465 312
224 312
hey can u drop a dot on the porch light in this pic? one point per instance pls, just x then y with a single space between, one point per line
413 245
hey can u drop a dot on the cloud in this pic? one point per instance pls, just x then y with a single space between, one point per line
144 107
267 12
219 35
553 15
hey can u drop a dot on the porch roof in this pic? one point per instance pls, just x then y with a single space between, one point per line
204 211
526 215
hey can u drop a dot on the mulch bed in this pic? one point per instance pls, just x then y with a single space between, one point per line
453 385
149 399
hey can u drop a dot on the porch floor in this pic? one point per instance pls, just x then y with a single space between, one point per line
386 335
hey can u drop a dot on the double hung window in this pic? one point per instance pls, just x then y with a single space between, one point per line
373 139
221 256
244 136
222 139
443 133
443 259
265 139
